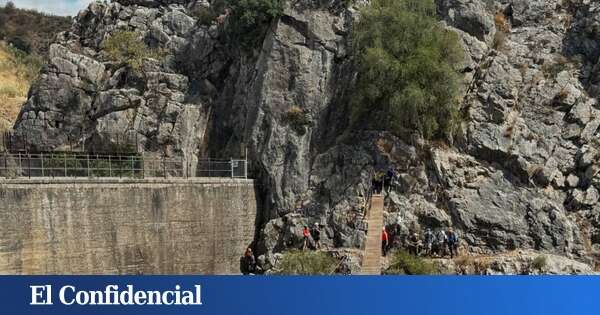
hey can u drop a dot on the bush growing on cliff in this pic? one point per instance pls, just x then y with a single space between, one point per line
297 119
407 67
250 19
126 47
306 263
404 263
539 263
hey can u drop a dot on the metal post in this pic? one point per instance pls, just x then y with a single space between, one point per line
164 167
209 175
5 166
120 166
50 169
132 168
184 169
29 165
246 163
143 167
231 163
42 158
20 164
109 167
65 157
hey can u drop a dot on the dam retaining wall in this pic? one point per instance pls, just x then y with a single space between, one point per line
113 226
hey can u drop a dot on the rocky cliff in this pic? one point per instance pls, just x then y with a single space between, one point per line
522 175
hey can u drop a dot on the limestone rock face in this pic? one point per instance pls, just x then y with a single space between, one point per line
514 263
524 174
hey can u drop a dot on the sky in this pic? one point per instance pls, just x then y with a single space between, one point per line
57 7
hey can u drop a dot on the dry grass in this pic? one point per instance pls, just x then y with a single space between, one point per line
473 265
502 24
499 41
13 88
534 170
562 95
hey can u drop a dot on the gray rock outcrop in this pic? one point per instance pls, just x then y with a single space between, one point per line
524 174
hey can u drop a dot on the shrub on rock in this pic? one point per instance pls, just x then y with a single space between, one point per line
306 263
407 70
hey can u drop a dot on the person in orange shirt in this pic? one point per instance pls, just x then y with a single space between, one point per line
306 234
384 241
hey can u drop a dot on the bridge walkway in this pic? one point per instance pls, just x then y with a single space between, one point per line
372 256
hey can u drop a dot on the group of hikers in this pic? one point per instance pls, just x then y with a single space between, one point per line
438 244
433 244
384 180
314 234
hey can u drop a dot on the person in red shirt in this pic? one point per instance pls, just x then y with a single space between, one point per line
384 241
306 233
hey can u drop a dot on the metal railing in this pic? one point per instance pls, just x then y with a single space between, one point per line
18 165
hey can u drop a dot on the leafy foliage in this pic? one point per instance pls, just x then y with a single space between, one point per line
306 263
539 263
126 47
250 19
297 119
404 263
30 31
407 67
205 15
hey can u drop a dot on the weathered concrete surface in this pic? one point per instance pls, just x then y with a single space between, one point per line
158 226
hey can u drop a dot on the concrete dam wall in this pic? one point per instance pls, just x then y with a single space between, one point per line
111 226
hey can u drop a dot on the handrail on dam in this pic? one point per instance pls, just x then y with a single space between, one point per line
29 165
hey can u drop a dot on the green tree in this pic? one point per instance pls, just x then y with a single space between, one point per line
126 47
250 19
407 66
306 263
10 6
